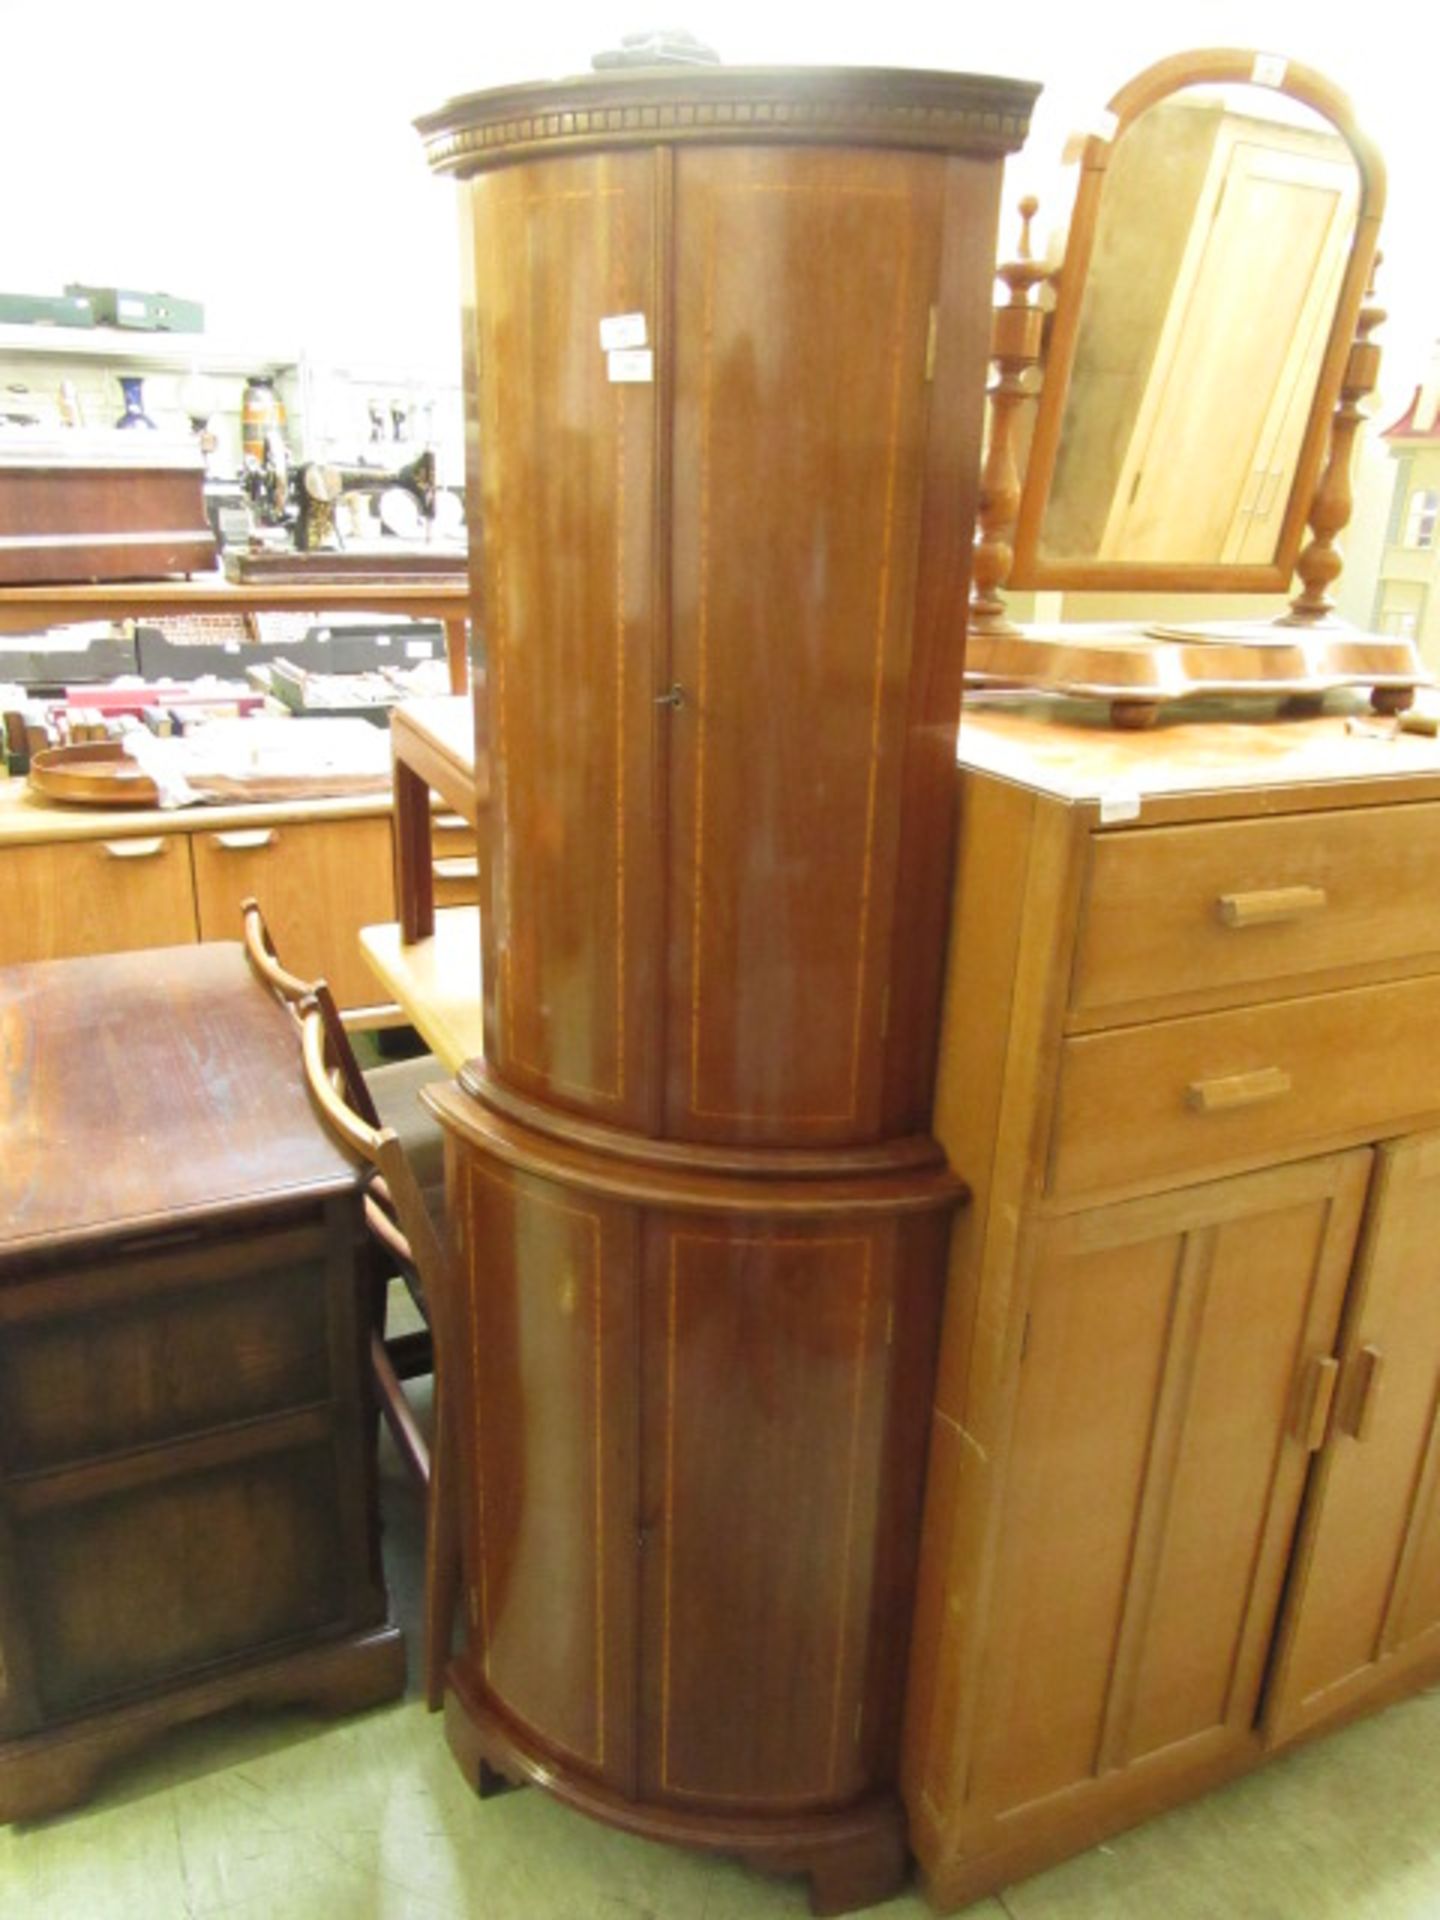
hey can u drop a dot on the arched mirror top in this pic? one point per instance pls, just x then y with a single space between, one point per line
1221 240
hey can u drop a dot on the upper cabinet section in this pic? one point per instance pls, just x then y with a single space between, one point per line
726 355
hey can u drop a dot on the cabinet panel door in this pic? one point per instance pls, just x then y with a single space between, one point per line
1162 1434
786 1374
561 474
317 883
804 283
546 1422
1365 1596
96 896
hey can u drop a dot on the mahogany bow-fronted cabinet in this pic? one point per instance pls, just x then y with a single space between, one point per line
727 337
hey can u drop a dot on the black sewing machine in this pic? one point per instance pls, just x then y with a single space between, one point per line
306 499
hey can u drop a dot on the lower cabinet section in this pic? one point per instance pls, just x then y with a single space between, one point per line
187 1510
1365 1592
691 1417
1214 1521
96 896
317 882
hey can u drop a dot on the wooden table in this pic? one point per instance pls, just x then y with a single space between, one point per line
435 981
187 1514
433 747
27 609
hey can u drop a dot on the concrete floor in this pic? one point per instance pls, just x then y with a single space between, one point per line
287 1817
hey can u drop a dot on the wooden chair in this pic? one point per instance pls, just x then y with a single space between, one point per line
402 1217
385 1097
377 1115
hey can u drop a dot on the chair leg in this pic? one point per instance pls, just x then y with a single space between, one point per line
442 1557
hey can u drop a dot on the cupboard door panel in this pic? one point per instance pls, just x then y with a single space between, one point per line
1366 1589
804 283
563 465
317 883
771 1523
110 896
548 1506
1157 1463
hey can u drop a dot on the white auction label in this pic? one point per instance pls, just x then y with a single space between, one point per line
1119 803
1269 70
632 366
620 330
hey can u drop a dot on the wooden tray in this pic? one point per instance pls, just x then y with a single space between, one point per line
96 773
445 566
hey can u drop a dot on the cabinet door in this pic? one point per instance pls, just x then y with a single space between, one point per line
804 283
318 884
1173 1379
786 1371
546 1417
96 896
1364 1600
562 481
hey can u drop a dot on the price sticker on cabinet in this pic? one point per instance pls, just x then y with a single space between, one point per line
632 366
620 330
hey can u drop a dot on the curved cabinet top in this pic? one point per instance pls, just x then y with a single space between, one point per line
853 106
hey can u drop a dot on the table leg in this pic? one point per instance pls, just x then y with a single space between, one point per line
456 654
414 856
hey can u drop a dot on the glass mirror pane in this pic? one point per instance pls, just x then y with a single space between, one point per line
1225 226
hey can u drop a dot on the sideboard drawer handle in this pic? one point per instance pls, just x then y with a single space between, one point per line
1234 1090
1268 906
135 849
248 841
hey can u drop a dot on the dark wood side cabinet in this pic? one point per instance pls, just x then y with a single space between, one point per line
727 334
187 1515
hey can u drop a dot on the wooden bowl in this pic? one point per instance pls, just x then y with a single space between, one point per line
95 773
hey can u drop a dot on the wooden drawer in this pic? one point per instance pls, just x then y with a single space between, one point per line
133 1585
1179 1099
146 1352
96 896
1247 905
318 884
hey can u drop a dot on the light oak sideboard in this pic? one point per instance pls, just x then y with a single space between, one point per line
1184 1495
81 880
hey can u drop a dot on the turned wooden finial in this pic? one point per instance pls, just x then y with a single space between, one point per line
1321 562
1014 349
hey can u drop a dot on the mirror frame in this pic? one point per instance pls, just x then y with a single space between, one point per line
1029 568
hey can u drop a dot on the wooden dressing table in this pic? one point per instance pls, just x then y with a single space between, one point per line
1184 1490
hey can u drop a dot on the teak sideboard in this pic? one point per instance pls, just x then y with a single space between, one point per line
1184 1493
84 880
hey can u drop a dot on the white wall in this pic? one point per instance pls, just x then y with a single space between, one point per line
260 156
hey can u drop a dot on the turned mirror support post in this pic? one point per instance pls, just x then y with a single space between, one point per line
1320 563
1015 349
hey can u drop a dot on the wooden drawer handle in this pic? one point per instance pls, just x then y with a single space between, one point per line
459 867
135 849
1319 1396
1364 1395
449 823
249 840
1268 906
1237 1090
